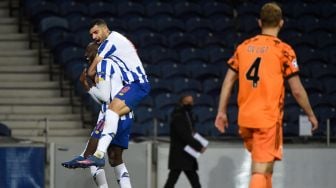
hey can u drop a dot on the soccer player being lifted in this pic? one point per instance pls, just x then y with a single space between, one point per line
262 64
121 51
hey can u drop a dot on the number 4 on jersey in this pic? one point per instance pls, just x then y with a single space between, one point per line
252 73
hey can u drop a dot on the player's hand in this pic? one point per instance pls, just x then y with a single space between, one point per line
83 75
314 122
221 122
203 149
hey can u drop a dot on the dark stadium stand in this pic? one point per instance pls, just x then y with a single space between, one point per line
185 44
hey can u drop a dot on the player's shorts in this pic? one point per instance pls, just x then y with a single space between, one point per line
121 138
265 144
133 93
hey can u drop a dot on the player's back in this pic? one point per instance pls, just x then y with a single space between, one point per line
261 63
122 51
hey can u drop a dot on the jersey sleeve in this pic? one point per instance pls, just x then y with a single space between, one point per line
104 71
106 49
233 61
290 65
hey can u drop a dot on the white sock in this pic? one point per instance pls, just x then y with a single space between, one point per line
110 129
122 176
99 177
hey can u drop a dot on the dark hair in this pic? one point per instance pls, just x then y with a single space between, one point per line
98 22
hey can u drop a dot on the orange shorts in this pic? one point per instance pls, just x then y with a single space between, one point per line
265 144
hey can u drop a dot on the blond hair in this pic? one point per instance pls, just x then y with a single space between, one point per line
270 15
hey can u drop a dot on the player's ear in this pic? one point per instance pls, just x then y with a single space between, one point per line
259 23
281 23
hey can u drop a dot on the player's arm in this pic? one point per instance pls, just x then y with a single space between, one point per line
301 97
221 121
92 69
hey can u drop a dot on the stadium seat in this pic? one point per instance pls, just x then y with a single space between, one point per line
149 39
203 129
100 9
70 8
291 114
39 10
5 130
198 24
178 40
139 130
203 100
248 24
219 55
163 129
290 129
70 54
214 8
182 85
59 40
204 113
329 85
168 24
321 71
164 55
138 24
203 71
157 9
165 101
127 9
160 86
172 71
144 114
312 86
52 24
82 38
193 55
248 9
185 10
212 86
79 23
147 102
153 71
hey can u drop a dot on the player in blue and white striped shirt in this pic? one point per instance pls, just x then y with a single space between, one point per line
121 51
108 84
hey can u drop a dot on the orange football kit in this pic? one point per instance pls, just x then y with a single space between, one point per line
263 63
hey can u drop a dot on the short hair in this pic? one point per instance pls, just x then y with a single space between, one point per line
183 96
270 15
98 22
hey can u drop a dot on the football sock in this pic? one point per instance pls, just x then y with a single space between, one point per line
110 129
258 181
122 176
99 177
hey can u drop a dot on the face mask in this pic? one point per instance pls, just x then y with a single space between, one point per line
188 107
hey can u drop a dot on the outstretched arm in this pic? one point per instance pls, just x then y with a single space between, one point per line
221 121
301 97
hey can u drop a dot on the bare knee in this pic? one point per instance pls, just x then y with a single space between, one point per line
262 168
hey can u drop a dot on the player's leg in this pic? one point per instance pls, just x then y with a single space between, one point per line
120 170
193 178
261 175
116 148
125 101
265 150
99 176
172 178
91 145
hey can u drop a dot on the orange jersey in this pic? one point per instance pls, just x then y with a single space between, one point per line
262 63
